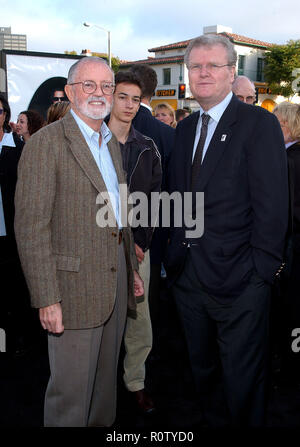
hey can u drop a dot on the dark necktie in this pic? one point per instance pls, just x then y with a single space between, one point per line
199 151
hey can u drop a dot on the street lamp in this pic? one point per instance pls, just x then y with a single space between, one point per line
108 38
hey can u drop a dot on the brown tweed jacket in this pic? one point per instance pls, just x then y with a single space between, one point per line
65 255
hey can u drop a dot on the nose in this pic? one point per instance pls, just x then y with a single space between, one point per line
203 71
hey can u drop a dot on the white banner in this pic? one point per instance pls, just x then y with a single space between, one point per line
32 81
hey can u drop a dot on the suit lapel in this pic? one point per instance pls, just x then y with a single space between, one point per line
218 143
82 152
188 144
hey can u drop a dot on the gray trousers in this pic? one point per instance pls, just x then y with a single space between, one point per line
82 389
138 336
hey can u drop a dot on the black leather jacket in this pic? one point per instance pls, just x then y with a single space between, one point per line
142 163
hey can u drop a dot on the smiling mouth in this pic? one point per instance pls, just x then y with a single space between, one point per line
97 103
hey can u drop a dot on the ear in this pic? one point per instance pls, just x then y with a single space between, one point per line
69 92
233 73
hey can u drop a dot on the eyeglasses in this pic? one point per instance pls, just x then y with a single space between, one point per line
59 98
210 68
1 111
89 87
247 99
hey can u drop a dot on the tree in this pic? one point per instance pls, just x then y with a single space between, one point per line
281 63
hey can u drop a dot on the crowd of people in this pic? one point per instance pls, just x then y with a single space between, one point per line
95 284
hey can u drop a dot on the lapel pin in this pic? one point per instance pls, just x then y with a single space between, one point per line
223 137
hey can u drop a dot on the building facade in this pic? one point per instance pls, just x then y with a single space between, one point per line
9 41
172 74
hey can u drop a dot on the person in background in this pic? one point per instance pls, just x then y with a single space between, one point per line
180 114
141 162
57 111
288 115
165 113
16 311
244 89
29 122
163 136
58 95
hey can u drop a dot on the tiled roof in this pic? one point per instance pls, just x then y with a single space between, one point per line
154 61
171 46
247 40
236 38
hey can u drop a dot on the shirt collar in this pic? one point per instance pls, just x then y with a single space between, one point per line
8 140
290 144
105 132
146 106
217 111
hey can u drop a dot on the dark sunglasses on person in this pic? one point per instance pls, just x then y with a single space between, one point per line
1 111
59 98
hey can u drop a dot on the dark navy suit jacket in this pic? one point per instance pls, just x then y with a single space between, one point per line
164 138
245 184
162 135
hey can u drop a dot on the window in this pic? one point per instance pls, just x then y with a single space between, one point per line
241 64
167 76
260 69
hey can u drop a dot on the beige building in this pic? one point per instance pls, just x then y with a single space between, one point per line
171 71
9 41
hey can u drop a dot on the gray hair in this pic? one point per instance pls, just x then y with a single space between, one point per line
240 78
210 40
84 61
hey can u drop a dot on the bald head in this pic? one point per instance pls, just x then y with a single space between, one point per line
244 89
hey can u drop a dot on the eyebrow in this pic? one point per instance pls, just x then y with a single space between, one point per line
126 94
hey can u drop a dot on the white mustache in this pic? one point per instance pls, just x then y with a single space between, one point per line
97 98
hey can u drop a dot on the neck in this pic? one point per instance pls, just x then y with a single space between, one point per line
119 128
146 101
94 124
26 137
208 104
1 134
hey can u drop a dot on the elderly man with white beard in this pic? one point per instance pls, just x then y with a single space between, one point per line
81 275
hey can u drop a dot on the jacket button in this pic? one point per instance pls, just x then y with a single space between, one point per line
113 269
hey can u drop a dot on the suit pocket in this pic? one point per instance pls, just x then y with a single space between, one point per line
67 263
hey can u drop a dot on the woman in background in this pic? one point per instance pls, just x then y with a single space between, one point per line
29 122
288 115
19 321
57 110
165 113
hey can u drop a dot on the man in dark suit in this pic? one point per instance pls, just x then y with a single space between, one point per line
233 153
164 137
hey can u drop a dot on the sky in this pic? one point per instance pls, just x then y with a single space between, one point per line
136 25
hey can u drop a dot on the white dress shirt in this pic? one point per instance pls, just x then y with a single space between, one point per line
215 114
103 159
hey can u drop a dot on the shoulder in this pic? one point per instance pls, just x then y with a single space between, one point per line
145 141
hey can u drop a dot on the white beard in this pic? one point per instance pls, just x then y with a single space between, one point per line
92 112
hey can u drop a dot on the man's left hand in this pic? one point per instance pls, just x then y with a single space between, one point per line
138 284
139 253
